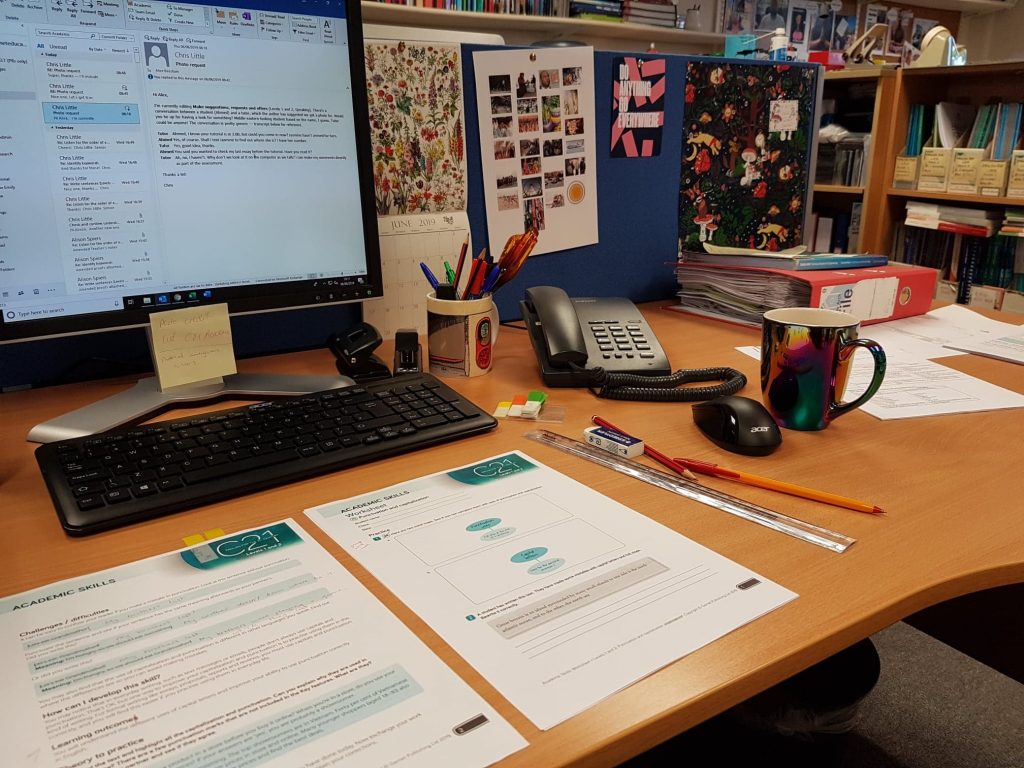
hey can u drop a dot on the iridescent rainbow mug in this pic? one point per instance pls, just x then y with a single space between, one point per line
805 361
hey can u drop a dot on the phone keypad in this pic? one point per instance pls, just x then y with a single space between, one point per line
618 342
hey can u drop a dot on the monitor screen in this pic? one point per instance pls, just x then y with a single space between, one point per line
156 155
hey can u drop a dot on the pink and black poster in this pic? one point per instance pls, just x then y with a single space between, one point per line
638 106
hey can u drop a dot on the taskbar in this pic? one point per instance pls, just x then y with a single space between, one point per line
296 293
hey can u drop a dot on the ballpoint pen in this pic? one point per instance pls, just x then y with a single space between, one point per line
658 456
429 275
491 279
474 266
706 468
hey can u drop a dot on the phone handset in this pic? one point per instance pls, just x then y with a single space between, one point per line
560 332
607 345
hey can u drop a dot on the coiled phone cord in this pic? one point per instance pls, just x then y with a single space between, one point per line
629 386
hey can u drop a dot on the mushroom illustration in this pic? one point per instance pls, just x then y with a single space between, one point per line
711 227
748 155
704 221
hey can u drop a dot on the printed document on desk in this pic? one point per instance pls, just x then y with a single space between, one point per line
253 649
558 595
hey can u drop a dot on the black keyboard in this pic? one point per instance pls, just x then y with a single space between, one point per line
126 475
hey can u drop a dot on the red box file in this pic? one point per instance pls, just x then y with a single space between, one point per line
743 294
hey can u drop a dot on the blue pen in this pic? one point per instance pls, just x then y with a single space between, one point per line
429 275
492 278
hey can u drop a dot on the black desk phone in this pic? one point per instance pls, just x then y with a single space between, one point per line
607 345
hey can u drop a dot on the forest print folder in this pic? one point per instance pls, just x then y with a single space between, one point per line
746 151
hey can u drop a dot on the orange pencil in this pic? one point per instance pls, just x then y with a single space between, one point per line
777 485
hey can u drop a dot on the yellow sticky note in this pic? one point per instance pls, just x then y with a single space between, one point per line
195 538
191 344
213 533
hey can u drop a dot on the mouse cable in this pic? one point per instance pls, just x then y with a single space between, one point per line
630 386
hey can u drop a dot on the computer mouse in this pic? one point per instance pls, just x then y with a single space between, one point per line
738 424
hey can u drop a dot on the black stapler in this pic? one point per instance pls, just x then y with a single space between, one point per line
354 350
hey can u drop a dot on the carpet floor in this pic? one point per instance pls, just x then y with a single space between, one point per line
933 707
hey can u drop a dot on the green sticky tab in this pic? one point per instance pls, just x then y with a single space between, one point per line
537 395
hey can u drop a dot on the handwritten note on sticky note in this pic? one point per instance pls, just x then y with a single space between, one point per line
191 344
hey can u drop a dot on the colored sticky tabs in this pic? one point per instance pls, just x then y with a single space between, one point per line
502 410
517 405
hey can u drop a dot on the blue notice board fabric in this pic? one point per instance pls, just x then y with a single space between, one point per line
638 198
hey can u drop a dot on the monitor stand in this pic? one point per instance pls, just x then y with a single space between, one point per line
146 398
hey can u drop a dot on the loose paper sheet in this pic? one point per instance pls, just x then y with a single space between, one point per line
558 595
537 145
1009 347
915 386
405 241
253 649
191 344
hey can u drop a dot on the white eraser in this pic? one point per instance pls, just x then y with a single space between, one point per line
614 442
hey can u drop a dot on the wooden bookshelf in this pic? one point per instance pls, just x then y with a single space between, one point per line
523 30
953 197
833 198
973 84
837 189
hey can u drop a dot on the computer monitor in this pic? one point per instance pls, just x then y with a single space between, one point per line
160 155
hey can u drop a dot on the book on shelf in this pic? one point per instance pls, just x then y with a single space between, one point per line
854 231
949 218
996 261
952 123
603 10
823 234
786 260
658 11
1013 222
1007 131
651 5
656 21
743 294
842 162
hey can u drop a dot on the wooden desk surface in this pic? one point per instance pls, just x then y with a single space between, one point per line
948 484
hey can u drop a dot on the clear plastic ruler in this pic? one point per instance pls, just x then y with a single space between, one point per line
814 534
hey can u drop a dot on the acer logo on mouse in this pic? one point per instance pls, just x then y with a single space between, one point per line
760 429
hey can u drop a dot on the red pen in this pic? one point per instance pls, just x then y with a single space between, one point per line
658 456
462 259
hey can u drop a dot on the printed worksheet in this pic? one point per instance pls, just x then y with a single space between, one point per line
257 648
537 145
558 595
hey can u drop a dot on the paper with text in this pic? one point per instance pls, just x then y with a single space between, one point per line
191 344
253 649
558 595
